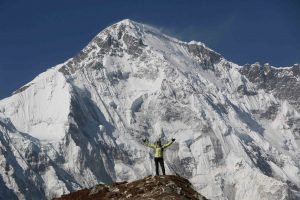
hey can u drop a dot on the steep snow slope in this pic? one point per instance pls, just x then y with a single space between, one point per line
41 107
86 117
18 177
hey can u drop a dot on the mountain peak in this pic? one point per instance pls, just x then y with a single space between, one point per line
127 22
130 39
122 25
151 187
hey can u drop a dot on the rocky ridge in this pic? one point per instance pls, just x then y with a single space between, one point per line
151 187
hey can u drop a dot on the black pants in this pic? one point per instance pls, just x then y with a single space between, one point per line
161 162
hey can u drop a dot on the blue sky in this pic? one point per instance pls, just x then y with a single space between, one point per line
36 35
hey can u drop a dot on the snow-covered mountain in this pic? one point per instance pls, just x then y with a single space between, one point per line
81 122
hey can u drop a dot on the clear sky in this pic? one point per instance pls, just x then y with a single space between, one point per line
38 34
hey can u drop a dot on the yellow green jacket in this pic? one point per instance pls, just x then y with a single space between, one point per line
158 151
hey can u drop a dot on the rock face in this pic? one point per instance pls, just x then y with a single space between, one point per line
156 188
282 82
81 122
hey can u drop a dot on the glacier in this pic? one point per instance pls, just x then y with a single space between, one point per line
81 122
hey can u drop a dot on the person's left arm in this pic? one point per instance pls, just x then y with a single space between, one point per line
169 143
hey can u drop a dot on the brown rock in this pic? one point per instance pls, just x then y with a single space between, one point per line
151 187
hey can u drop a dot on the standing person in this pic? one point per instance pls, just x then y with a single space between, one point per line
159 153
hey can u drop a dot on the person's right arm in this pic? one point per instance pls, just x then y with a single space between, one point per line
146 143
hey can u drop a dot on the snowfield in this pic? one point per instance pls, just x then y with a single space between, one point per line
81 123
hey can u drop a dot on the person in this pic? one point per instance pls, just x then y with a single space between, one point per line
158 153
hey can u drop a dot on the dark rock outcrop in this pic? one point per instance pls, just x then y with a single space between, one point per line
283 82
151 187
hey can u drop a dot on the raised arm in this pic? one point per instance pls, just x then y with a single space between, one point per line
169 143
146 143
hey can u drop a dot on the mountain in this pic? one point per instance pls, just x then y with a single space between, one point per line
81 122
157 187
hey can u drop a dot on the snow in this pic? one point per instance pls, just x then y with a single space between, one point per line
44 104
54 186
81 122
